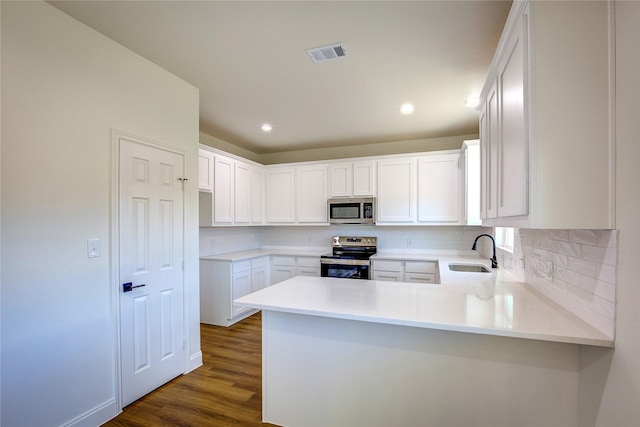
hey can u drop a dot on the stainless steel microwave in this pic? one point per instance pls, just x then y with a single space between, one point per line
352 210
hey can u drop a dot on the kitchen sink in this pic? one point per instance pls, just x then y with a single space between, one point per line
469 268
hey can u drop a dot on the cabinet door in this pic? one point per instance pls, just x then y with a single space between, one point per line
491 153
311 194
257 196
341 179
484 167
223 190
242 193
439 188
513 194
364 178
280 195
240 286
280 273
396 190
205 170
258 278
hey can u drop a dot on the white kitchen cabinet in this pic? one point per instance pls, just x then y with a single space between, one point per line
220 283
308 266
242 193
547 146
471 178
205 170
396 201
282 268
240 285
286 267
311 194
405 271
439 189
280 195
224 190
257 195
353 179
259 273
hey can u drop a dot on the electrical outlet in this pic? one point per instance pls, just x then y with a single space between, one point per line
93 248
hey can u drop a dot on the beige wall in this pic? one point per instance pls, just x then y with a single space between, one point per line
396 147
609 387
65 88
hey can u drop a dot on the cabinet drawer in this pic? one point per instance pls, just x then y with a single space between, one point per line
386 265
420 278
288 261
313 262
309 271
387 276
420 267
260 262
240 266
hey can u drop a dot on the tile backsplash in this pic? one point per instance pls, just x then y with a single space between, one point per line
455 239
574 268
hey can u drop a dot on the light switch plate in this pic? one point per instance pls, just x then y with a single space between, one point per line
93 248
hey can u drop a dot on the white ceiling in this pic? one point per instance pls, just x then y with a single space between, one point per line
248 59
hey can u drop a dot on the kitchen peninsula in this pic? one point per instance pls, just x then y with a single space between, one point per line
350 352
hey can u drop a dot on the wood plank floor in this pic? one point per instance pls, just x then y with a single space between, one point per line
225 391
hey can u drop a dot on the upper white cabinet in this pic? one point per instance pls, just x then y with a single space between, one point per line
353 179
242 193
237 191
223 190
257 195
546 148
205 170
280 193
396 190
471 178
439 188
311 194
297 195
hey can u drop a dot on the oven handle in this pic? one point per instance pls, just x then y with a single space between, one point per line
344 261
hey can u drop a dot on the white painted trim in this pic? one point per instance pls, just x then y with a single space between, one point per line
612 114
116 137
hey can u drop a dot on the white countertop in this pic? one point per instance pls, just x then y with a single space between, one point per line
482 303
256 253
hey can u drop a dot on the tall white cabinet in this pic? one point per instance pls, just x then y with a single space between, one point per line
223 281
546 148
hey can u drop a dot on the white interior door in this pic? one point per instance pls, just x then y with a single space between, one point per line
151 258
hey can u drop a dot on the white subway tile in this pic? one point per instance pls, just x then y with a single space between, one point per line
608 238
568 276
599 254
583 236
562 247
599 288
558 234
581 266
606 273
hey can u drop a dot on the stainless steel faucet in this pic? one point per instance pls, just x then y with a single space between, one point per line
494 261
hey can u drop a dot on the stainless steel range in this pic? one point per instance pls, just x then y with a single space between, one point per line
350 257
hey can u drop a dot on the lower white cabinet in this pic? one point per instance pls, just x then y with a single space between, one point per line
405 271
223 281
286 267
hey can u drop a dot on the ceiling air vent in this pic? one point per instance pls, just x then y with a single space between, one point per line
326 53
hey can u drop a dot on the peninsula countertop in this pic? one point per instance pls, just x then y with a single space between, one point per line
481 303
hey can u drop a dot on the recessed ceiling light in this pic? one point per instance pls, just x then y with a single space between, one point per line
472 101
266 127
406 108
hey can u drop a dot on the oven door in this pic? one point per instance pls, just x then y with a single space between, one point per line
345 268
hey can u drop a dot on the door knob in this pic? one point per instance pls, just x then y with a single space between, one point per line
128 287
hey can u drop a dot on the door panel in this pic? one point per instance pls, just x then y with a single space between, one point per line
151 254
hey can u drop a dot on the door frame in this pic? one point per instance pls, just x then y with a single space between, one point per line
114 289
